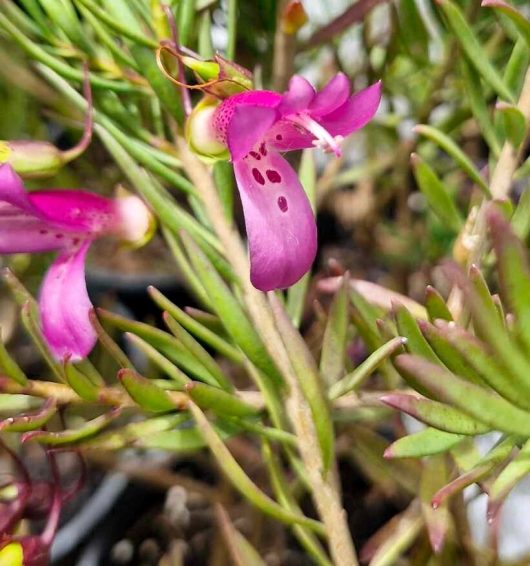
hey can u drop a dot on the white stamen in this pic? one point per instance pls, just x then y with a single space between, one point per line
324 139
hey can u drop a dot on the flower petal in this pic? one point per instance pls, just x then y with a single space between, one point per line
297 97
280 224
355 113
12 189
21 232
247 127
333 95
64 306
76 211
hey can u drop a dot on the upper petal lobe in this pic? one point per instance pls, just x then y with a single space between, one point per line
355 113
333 95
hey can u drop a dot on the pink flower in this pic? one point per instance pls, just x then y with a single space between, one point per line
256 126
65 221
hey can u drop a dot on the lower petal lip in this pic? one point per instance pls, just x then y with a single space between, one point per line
280 224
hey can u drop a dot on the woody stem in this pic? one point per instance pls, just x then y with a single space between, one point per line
324 489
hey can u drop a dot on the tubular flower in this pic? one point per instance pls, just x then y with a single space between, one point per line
256 126
66 221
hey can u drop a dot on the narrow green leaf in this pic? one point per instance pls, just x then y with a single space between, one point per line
479 107
514 273
241 551
164 342
198 352
475 355
436 194
482 469
448 354
133 432
424 443
521 217
146 61
435 305
30 421
232 30
512 474
58 65
186 17
357 377
394 538
179 377
522 24
219 401
72 436
62 14
334 343
407 327
110 345
145 393
486 321
9 367
438 521
482 404
195 327
107 40
449 146
205 49
184 440
115 21
435 414
285 496
515 69
413 31
267 432
31 321
472 48
513 121
230 312
80 383
237 476
223 175
309 379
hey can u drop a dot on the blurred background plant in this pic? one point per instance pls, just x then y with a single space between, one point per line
218 422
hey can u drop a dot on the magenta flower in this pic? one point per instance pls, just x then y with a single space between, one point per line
66 221
256 126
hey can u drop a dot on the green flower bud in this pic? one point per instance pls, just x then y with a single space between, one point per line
32 159
200 133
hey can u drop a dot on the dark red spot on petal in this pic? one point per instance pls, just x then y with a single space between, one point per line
43 231
59 236
75 241
282 204
258 176
255 155
273 176
279 137
263 149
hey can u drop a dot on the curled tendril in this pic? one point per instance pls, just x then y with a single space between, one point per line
204 86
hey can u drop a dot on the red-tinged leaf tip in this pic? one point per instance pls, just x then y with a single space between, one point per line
388 454
414 159
188 387
436 501
123 372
